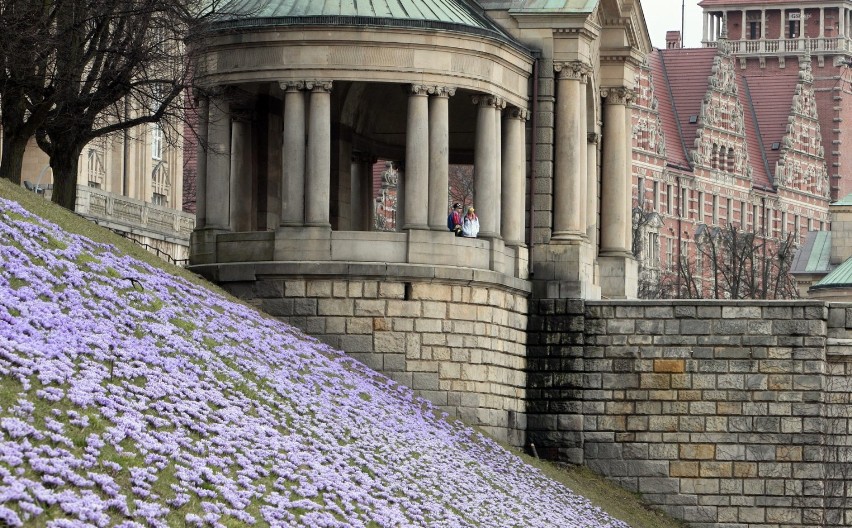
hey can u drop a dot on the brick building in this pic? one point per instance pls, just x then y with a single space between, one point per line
744 132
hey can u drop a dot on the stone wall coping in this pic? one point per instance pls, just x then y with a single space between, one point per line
715 302
250 271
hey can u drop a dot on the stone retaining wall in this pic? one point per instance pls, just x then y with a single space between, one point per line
462 345
726 414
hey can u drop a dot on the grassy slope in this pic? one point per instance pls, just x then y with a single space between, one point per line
614 500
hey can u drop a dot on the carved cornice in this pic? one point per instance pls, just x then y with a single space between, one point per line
291 86
442 91
572 70
618 96
318 86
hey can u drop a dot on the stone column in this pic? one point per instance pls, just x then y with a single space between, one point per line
616 178
783 25
514 177
241 172
417 152
439 156
592 139
293 163
763 25
218 163
202 104
568 171
822 23
485 164
318 182
743 25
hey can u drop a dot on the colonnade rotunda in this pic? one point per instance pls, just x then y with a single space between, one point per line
297 100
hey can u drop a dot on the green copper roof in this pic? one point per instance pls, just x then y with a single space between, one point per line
841 277
813 256
556 6
456 12
847 200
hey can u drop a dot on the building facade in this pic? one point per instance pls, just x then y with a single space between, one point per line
129 182
744 134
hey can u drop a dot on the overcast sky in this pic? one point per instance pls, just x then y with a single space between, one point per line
664 15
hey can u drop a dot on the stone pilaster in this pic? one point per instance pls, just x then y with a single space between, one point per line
318 184
240 217
569 172
218 163
293 163
485 164
417 160
439 156
202 104
619 270
514 176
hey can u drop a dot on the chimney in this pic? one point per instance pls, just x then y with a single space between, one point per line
673 40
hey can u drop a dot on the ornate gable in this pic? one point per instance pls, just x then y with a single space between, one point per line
647 125
801 165
720 143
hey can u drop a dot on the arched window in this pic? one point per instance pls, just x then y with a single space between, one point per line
731 159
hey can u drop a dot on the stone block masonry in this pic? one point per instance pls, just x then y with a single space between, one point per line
460 345
725 414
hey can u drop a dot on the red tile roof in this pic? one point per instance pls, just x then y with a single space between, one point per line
683 82
771 98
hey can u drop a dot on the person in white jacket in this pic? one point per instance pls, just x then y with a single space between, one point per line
470 225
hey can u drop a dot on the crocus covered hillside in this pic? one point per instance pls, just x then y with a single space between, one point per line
133 398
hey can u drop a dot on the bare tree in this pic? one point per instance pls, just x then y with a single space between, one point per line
76 70
121 65
27 56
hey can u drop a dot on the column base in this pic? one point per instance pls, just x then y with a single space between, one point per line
568 236
202 244
308 242
619 276
417 227
565 269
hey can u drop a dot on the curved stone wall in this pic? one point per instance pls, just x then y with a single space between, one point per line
459 342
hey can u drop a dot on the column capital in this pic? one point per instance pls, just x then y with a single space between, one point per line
513 112
618 96
318 86
442 91
291 86
418 89
572 70
489 100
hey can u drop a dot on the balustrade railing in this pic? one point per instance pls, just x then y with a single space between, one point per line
135 214
784 46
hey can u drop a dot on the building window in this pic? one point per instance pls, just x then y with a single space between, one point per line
754 30
656 197
668 199
797 226
156 142
640 191
700 208
715 212
161 185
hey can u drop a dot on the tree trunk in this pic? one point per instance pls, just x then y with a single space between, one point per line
64 162
12 161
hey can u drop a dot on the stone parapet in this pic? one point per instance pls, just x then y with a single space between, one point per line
456 336
722 413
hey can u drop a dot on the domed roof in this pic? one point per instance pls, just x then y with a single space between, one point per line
457 15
